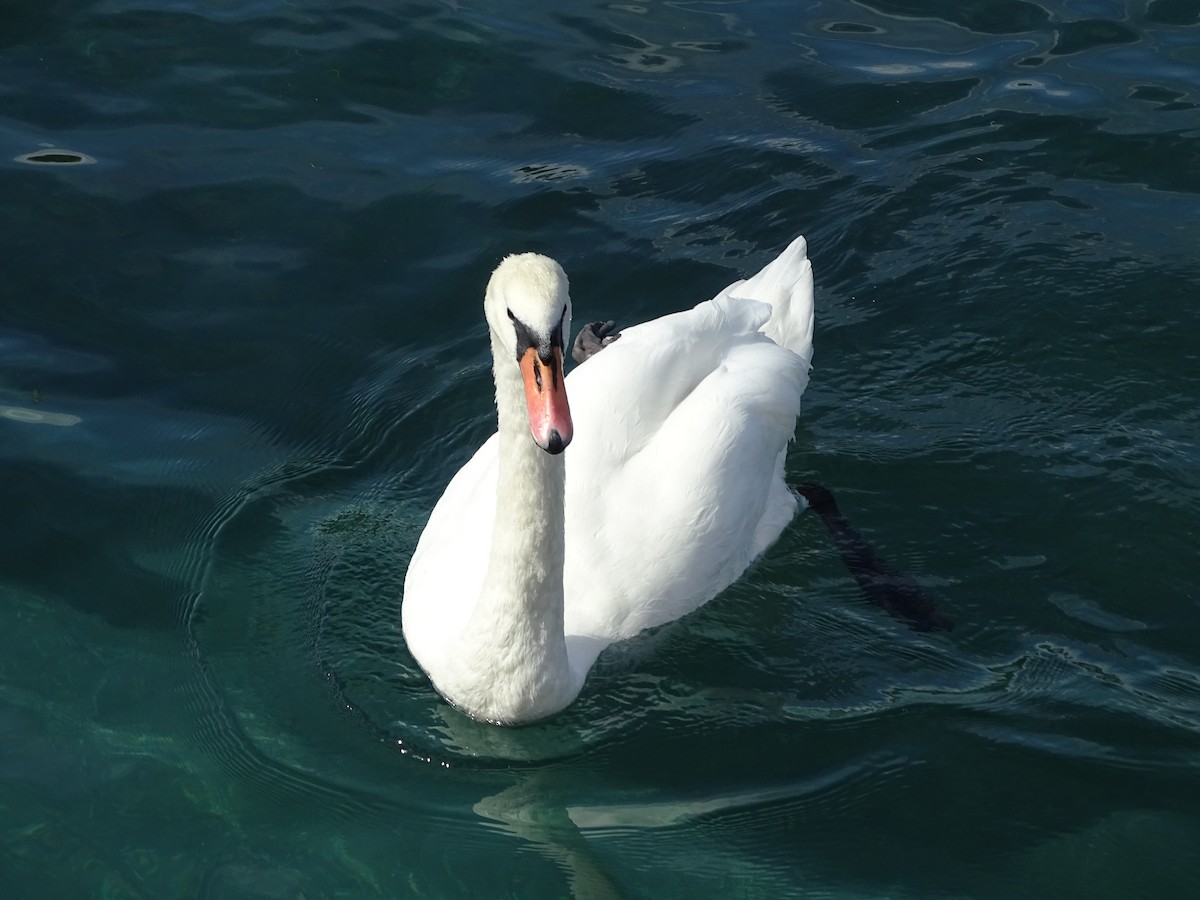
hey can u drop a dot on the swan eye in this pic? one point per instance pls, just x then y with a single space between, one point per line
525 337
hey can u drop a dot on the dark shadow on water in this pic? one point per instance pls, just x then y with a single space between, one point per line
77 539
863 105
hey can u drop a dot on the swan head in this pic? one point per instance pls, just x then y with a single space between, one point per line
528 308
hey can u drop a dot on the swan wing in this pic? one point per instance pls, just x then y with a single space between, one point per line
448 567
674 479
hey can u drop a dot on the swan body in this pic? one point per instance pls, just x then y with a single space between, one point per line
671 483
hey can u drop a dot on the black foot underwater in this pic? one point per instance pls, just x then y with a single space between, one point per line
592 339
881 584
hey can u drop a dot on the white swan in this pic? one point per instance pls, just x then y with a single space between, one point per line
534 560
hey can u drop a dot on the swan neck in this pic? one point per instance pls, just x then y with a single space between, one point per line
515 644
528 535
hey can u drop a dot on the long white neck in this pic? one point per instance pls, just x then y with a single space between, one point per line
513 664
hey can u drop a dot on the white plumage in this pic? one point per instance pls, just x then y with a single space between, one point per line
671 486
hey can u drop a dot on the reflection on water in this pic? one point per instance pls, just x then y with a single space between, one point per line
251 289
54 156
37 416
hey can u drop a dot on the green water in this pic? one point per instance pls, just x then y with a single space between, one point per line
242 352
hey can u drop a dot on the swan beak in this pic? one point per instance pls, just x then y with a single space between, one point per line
546 396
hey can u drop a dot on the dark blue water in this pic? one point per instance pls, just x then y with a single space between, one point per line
242 352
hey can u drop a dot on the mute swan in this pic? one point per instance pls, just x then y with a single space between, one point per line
534 559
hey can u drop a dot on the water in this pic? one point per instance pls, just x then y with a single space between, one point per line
241 353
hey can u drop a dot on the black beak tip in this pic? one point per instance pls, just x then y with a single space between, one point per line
556 444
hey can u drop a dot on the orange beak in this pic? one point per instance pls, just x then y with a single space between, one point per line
546 397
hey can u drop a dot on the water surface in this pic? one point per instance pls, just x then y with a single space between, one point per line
242 352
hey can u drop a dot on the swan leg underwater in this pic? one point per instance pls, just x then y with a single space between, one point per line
880 583
527 569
